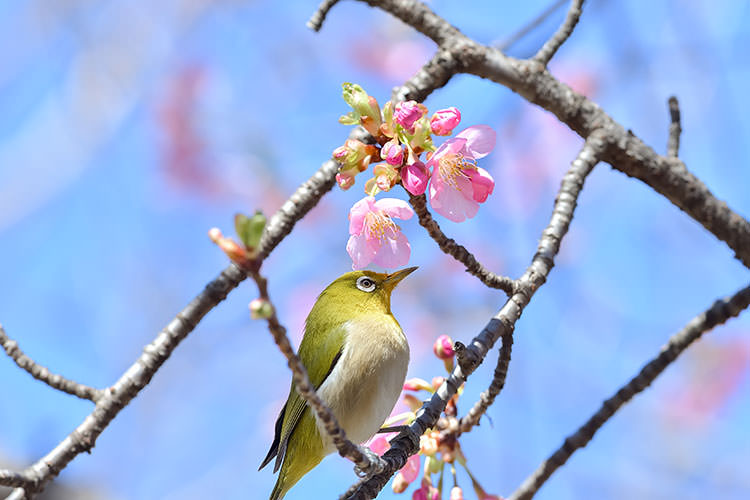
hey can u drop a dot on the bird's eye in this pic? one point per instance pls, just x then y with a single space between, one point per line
365 284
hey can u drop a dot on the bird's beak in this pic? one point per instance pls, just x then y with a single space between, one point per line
393 279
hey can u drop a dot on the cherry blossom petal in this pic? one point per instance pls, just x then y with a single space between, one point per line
482 183
451 203
360 251
480 141
450 147
393 253
410 470
395 208
357 214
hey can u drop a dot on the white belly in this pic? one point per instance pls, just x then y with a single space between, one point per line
366 382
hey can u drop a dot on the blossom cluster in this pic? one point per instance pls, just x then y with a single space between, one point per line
403 153
439 446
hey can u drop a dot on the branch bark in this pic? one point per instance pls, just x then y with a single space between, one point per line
718 313
116 397
675 128
41 373
455 250
407 443
549 49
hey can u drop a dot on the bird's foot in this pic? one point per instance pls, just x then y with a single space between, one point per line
374 466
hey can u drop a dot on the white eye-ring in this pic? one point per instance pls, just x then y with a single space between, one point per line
365 284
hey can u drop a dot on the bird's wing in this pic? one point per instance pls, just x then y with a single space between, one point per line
316 344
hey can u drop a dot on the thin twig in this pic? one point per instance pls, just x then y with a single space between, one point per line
675 128
457 251
156 353
13 479
624 152
718 313
367 463
502 324
563 33
41 373
488 397
319 16
531 26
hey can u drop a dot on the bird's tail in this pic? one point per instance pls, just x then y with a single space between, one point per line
305 451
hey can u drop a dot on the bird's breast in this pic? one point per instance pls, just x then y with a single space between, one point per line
366 382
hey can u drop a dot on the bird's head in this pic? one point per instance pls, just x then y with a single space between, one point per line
361 292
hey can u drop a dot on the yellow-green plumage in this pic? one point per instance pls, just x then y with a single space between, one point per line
356 356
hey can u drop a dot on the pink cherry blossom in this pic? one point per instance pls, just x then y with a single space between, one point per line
444 121
374 235
457 185
457 493
414 177
407 113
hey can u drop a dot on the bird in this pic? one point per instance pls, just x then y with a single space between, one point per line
356 356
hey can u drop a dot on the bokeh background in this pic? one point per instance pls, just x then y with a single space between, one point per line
129 128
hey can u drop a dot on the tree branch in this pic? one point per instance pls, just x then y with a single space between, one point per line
366 461
675 128
718 313
13 479
156 353
502 324
319 16
549 49
486 399
455 250
41 373
625 151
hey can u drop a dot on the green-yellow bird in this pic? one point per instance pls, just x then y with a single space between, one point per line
356 356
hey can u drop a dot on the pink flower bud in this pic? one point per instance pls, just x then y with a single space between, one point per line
444 121
340 153
457 493
417 384
443 347
407 113
414 177
399 484
420 494
393 153
344 180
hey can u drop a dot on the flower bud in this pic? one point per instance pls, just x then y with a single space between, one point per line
392 152
414 177
417 384
443 347
457 493
399 484
444 121
428 444
437 382
260 309
344 180
407 113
